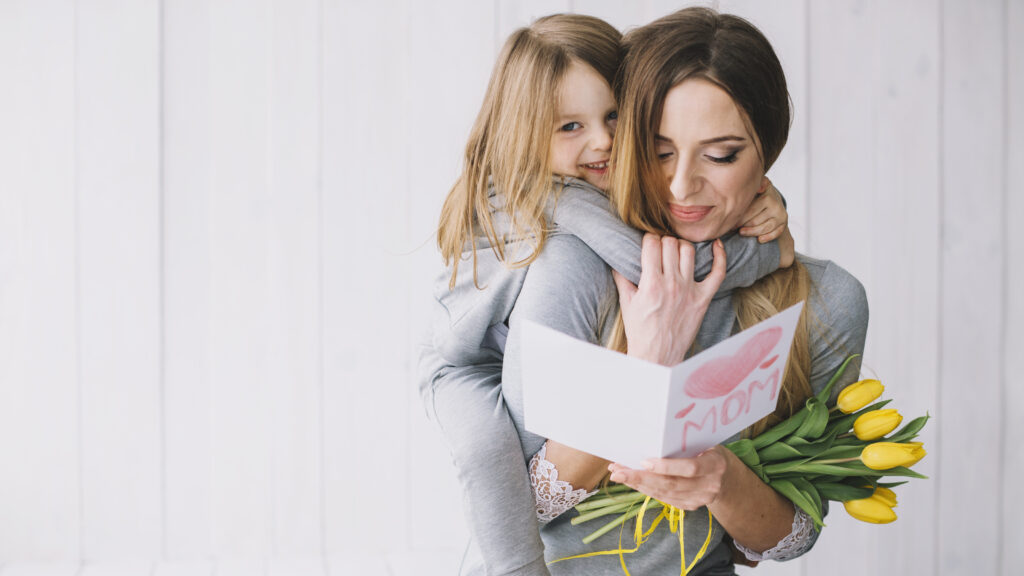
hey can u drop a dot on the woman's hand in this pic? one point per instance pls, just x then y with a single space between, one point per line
662 315
686 483
767 217
753 513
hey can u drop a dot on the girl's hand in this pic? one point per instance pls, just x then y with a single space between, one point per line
661 316
686 483
767 217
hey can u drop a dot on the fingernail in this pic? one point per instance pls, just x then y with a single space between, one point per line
618 477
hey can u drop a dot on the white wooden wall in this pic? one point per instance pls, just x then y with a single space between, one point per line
216 222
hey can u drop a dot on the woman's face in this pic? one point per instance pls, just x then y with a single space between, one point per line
710 159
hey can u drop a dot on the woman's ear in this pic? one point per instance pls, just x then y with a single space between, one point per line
764 185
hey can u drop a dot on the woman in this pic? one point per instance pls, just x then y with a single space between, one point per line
704 113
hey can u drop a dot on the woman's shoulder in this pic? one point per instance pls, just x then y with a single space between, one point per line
838 289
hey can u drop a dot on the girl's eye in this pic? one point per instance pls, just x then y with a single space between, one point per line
613 116
665 155
571 126
722 160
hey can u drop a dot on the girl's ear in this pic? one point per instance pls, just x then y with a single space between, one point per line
764 185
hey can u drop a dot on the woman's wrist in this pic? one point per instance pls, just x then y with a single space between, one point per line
753 513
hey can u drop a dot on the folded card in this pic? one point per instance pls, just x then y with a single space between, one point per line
627 410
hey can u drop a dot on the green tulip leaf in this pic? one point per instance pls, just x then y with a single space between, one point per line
779 451
811 448
909 432
780 430
841 452
745 451
797 497
826 392
902 471
817 419
892 484
811 493
841 492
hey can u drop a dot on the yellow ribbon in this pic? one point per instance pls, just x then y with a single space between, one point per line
675 517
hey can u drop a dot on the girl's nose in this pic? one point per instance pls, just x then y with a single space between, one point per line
602 140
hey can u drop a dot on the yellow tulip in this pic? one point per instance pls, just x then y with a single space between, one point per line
886 455
876 509
885 495
877 423
858 395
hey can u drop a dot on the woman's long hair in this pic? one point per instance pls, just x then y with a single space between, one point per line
733 54
509 145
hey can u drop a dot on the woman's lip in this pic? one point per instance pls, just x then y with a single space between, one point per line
689 213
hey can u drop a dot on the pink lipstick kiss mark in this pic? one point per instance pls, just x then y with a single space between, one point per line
721 375
682 413
768 364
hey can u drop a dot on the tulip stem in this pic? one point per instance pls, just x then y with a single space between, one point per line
836 460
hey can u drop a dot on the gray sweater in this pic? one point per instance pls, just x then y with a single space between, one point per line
461 362
567 289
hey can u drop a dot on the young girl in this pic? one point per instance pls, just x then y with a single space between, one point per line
536 165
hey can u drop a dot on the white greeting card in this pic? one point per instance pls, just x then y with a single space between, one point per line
627 410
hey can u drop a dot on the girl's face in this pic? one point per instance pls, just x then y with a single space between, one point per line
581 142
710 159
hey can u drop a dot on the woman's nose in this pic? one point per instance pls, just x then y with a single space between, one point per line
683 182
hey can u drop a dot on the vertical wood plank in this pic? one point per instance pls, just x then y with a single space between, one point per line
185 568
299 566
117 568
906 248
188 174
1013 432
118 143
841 156
240 285
972 276
444 119
39 394
41 569
366 146
293 335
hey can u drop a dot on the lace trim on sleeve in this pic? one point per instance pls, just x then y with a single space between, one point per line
553 496
799 541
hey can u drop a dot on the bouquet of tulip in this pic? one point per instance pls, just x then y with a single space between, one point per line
820 453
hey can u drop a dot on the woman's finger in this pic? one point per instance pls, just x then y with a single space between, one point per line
669 256
687 254
714 279
626 289
650 256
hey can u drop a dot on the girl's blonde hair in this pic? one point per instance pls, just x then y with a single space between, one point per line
733 54
510 142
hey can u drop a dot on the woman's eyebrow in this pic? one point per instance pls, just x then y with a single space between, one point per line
722 139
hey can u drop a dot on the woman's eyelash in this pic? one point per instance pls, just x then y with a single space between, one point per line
665 155
724 159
